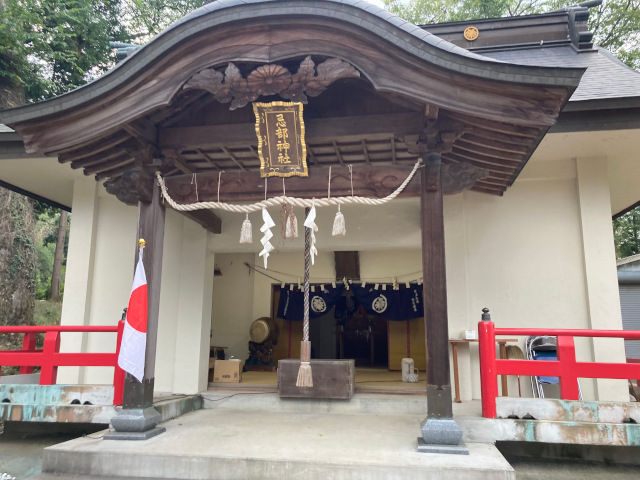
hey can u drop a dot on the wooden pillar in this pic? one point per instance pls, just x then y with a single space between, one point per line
150 227
138 419
435 291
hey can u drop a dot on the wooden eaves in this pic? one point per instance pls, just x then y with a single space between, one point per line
413 92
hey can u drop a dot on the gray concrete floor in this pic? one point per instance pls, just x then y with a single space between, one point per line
21 455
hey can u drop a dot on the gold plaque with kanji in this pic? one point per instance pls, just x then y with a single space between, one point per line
281 146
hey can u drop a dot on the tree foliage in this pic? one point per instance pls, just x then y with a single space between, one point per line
147 18
615 23
626 234
53 46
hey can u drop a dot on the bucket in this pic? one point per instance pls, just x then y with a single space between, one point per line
263 329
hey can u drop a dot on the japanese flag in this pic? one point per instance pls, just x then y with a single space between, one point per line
134 336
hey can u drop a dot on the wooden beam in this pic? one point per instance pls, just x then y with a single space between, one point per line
108 165
491 152
461 152
368 181
85 162
310 154
365 152
207 219
394 158
316 130
115 172
506 128
79 153
507 169
233 158
435 290
338 154
143 130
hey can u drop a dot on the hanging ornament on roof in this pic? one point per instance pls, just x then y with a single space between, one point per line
265 228
289 222
310 223
339 228
246 234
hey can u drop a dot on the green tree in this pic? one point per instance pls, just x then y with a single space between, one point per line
147 18
53 46
615 23
626 233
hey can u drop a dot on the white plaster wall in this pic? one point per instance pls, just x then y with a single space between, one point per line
232 310
603 301
194 311
79 273
169 302
113 262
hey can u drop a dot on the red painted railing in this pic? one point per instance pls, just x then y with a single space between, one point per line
50 357
566 367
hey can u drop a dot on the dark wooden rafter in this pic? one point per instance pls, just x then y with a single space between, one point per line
338 154
492 167
143 131
475 149
490 142
206 156
93 159
365 152
394 158
311 156
495 126
108 165
90 149
115 172
233 158
180 164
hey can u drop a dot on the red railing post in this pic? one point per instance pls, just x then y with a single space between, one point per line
49 369
29 345
568 379
118 373
488 376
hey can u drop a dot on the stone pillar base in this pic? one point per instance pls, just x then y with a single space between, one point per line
441 435
135 424
114 435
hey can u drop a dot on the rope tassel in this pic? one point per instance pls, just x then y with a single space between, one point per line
246 233
339 228
305 378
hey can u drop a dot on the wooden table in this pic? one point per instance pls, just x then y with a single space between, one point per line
502 342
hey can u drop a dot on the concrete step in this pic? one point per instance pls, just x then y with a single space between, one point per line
226 443
359 403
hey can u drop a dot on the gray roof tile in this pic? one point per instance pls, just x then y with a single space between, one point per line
606 76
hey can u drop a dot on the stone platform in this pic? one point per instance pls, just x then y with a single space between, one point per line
234 438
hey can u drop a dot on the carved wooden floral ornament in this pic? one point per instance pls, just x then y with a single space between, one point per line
271 79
